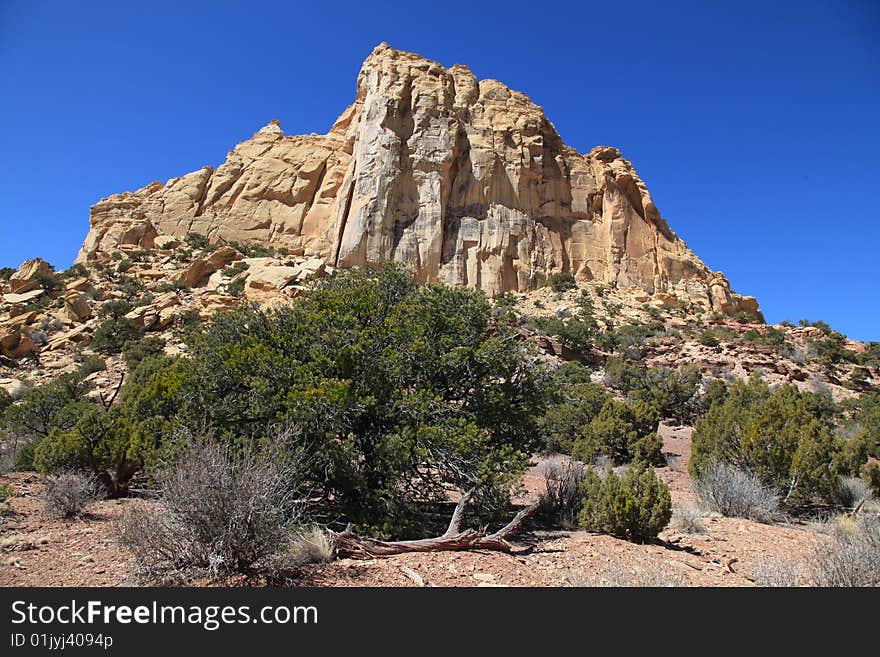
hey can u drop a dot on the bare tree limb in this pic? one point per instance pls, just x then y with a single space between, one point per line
349 544
108 404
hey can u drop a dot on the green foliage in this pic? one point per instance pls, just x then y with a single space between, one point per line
578 332
135 351
54 405
769 336
822 326
6 492
832 350
623 374
505 299
235 268
99 442
636 507
236 287
562 281
49 281
113 334
124 266
6 273
709 339
400 391
871 355
115 308
114 444
628 340
77 270
188 319
578 403
196 240
785 437
622 432
177 285
24 460
5 400
91 364
871 473
672 393
253 250
129 286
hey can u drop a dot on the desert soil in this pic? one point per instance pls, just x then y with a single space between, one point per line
37 549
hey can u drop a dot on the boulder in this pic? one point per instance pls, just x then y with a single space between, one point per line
198 272
76 307
222 256
165 242
24 297
24 280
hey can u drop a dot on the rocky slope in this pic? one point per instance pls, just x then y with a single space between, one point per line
466 181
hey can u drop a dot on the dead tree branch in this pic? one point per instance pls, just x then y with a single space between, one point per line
349 544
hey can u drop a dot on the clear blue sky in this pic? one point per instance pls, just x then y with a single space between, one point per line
754 124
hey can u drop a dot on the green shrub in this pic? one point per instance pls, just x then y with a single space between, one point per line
6 273
112 335
578 332
672 393
236 287
196 240
54 405
636 507
5 400
785 437
135 351
91 364
769 336
235 268
115 308
129 286
400 390
562 281
177 285
622 432
188 319
49 281
24 460
579 401
99 442
709 339
871 473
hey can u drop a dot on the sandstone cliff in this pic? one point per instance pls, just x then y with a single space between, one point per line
466 181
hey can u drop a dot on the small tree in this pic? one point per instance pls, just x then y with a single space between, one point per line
636 507
562 281
622 432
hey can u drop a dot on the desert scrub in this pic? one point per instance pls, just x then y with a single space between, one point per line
562 499
736 493
311 544
562 281
67 494
636 506
221 510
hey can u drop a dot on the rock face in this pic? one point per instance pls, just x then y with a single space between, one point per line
466 181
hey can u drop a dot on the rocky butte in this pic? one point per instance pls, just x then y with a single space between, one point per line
464 180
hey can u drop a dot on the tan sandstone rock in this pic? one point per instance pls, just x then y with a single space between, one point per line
465 180
24 297
76 306
24 279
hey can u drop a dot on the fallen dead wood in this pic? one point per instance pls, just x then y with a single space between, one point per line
349 544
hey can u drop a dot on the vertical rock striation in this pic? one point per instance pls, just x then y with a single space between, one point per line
466 181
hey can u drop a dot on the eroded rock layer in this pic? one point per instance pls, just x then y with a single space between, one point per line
466 181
